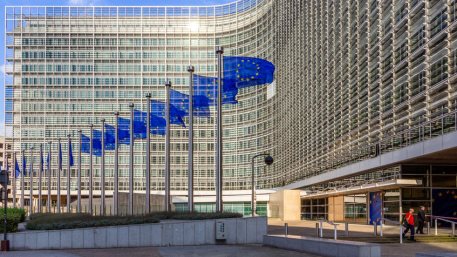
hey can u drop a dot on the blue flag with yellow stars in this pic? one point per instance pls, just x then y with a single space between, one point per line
176 115
207 87
110 137
157 124
181 102
72 161
96 144
248 71
123 130
17 170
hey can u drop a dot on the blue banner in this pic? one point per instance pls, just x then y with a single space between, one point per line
375 207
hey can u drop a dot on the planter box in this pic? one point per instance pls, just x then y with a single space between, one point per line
169 233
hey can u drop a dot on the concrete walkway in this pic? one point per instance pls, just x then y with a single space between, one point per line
177 251
408 249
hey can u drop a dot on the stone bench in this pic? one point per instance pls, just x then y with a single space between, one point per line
323 247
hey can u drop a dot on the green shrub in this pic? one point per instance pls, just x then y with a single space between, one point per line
70 221
48 221
14 217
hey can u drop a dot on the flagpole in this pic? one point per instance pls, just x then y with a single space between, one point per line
219 205
91 195
130 201
148 153
39 179
31 181
167 148
116 166
59 161
14 180
102 170
68 174
79 171
22 179
190 162
48 202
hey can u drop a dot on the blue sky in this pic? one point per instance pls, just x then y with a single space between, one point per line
4 3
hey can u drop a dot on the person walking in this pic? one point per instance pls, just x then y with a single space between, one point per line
409 218
421 220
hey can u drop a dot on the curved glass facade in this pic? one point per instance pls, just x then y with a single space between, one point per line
68 67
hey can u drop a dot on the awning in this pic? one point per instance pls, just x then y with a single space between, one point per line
384 185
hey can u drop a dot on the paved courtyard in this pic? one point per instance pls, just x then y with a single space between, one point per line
177 251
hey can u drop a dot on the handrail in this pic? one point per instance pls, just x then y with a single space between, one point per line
445 220
393 222
335 231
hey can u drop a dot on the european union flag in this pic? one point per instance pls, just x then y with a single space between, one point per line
139 124
207 87
123 130
71 160
41 161
85 145
176 115
157 124
248 71
110 137
24 166
181 102
48 162
97 142
17 170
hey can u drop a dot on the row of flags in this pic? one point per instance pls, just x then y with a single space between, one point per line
239 72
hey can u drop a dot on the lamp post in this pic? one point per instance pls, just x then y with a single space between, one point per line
268 161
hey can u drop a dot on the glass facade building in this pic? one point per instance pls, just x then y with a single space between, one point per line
355 82
68 67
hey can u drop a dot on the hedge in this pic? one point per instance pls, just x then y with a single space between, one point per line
14 217
46 221
69 221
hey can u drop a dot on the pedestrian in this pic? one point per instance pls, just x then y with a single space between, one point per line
409 223
421 220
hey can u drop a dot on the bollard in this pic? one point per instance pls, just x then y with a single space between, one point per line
335 233
436 227
346 229
286 229
401 233
428 228
453 229
317 229
321 229
381 229
375 228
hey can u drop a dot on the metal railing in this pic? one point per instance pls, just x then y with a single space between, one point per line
358 151
393 222
444 220
320 228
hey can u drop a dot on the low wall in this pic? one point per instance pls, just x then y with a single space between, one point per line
323 247
168 233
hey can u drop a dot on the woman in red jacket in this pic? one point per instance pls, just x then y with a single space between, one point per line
409 218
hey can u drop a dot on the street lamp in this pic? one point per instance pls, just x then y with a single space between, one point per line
268 161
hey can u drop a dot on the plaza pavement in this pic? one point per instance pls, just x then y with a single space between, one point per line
364 232
173 251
